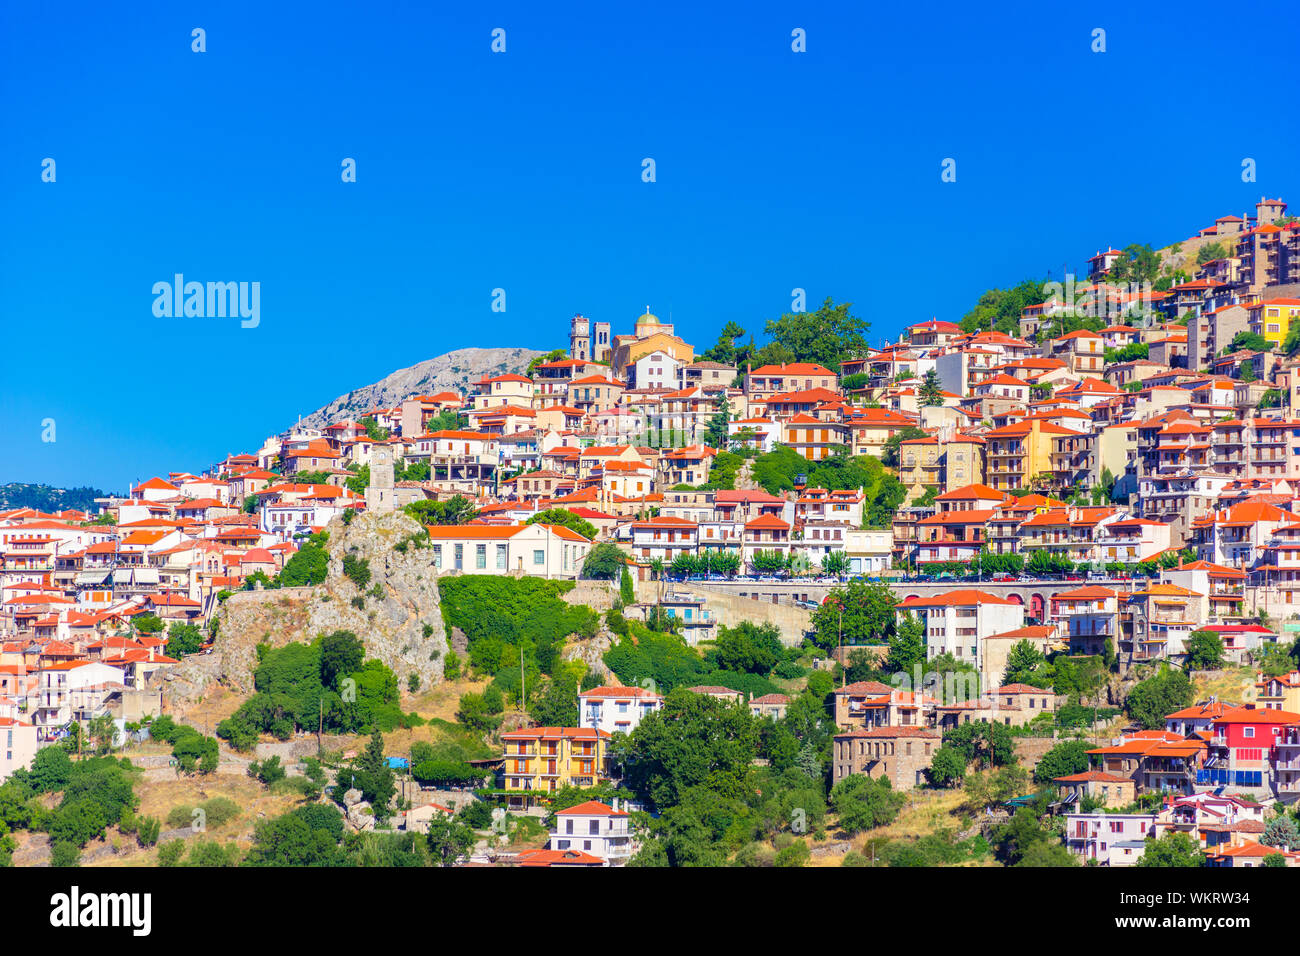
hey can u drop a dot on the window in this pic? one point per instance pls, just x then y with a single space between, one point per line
501 557
539 556
480 556
1248 732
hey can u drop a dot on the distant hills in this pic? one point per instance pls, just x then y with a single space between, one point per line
22 494
453 371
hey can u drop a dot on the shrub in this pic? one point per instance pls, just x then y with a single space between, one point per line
357 570
170 853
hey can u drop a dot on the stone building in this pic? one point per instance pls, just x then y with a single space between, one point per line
901 754
380 491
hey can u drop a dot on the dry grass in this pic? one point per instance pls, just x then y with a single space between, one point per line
218 703
1236 684
442 700
925 812
160 797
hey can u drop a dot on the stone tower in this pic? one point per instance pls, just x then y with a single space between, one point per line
1269 211
602 346
580 337
379 493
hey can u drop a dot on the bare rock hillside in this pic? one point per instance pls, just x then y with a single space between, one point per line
399 617
452 371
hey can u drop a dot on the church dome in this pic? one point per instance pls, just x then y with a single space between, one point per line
648 319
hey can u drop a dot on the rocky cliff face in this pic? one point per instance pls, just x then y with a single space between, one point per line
398 605
452 371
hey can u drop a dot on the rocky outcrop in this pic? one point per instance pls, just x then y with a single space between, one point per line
452 371
397 614
359 814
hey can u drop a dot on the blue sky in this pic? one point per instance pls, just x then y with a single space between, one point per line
522 171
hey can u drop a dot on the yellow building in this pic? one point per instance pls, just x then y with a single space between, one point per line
1272 318
919 466
1017 455
544 759
651 335
813 438
1280 693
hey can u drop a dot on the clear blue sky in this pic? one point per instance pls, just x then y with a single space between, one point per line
523 171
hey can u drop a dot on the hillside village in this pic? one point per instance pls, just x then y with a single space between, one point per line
1019 589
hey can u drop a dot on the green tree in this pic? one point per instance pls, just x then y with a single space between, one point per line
835 563
930 392
1066 758
1281 831
999 309
769 562
948 767
456 510
1137 264
907 646
863 612
725 349
605 561
693 741
1046 853
1211 251
341 653
1026 665
373 430
1164 693
183 639
715 435
990 744
308 566
825 337
863 803
749 647
1172 849
372 776
1204 651
147 624
566 519
449 840
1245 340
1015 839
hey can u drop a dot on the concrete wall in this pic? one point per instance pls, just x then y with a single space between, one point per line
730 609
598 595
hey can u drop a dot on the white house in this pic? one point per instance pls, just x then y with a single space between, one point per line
548 551
958 623
75 690
616 709
594 828
1112 839
655 370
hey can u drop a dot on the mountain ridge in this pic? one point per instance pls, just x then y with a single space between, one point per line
451 371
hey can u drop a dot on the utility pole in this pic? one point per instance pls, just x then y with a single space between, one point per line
843 670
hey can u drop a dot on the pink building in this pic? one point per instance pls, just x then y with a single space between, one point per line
17 745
